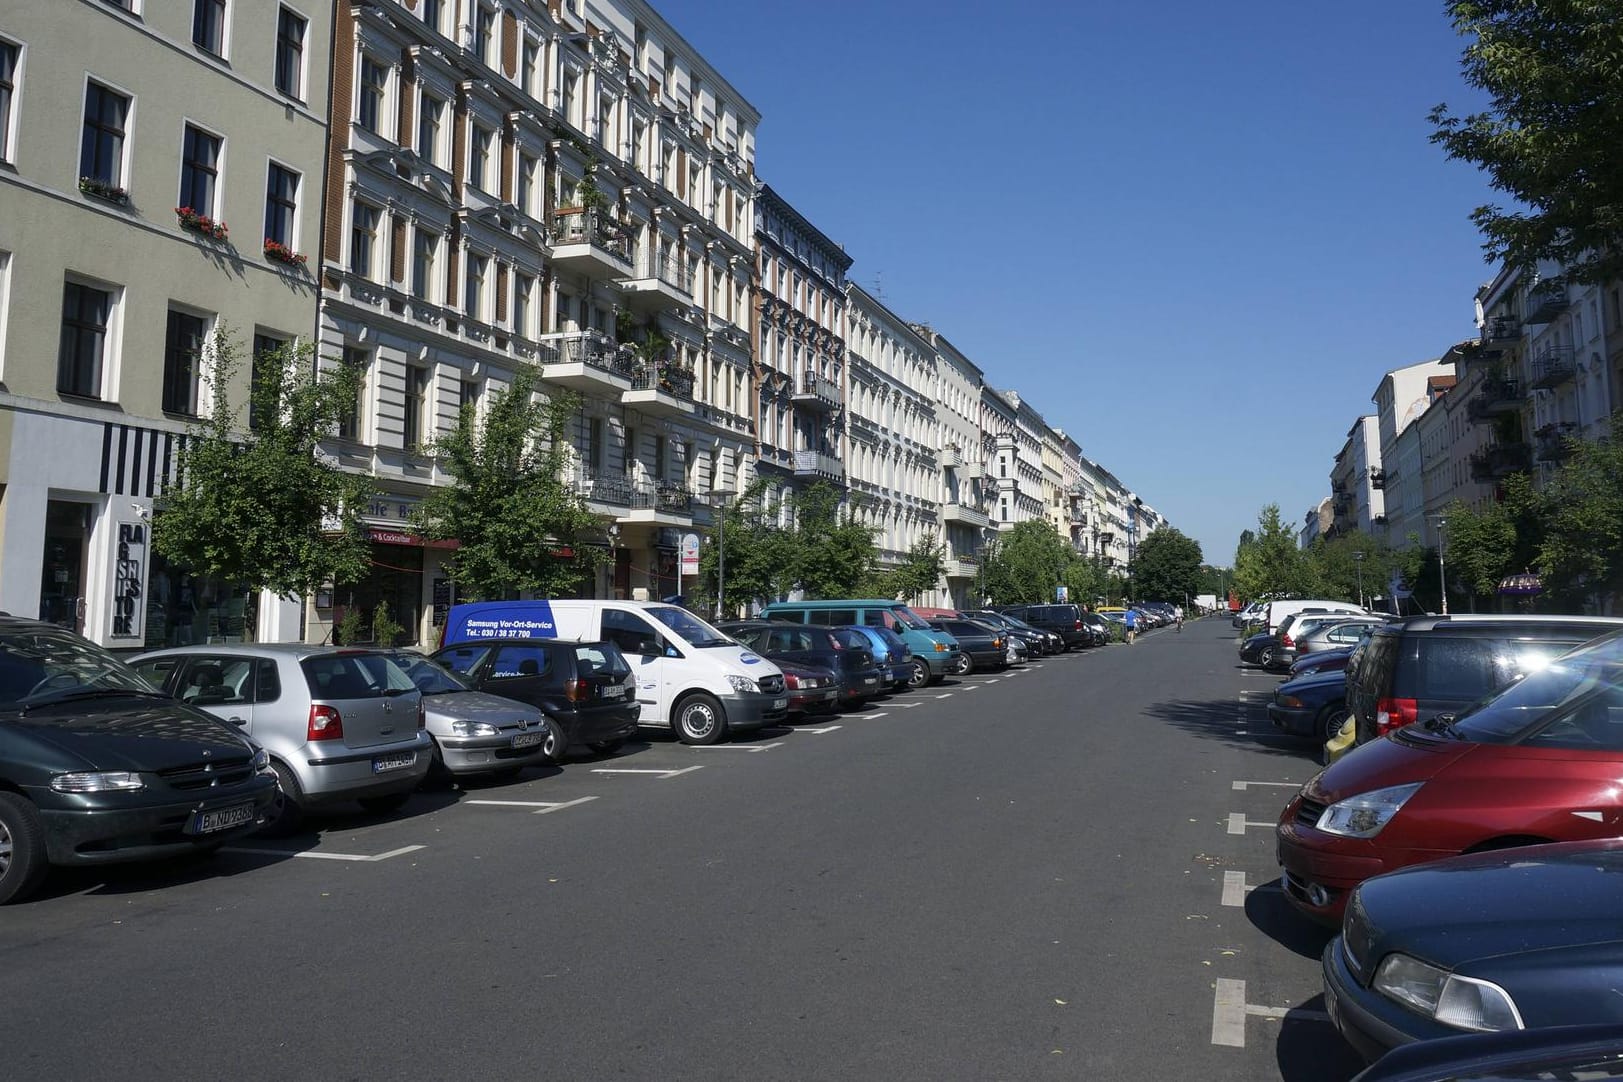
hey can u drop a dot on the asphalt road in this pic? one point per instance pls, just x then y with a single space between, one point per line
1014 877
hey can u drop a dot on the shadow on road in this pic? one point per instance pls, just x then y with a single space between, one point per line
1215 720
1268 910
1310 1050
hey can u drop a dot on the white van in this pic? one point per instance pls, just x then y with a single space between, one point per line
690 676
1276 611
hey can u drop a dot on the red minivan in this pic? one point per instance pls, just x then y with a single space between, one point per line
1542 761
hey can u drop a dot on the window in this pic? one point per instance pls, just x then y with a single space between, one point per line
479 156
428 128
431 13
281 204
101 147
523 304
290 54
532 63
264 397
86 311
422 264
468 398
473 287
8 89
639 131
363 236
417 388
571 85
182 358
199 170
484 34
208 25
374 85
594 442
526 184
355 362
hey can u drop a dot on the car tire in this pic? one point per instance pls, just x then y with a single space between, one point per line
555 748
23 862
1265 657
607 747
699 720
286 811
963 664
918 675
1329 722
382 805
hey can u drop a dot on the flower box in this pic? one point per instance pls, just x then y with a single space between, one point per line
101 189
277 252
201 223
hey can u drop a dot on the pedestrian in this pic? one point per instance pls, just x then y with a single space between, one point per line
1177 614
1130 621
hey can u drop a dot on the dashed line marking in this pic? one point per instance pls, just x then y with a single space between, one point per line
945 695
881 714
736 747
314 855
1230 1010
1240 786
662 774
909 706
1238 822
1234 888
819 730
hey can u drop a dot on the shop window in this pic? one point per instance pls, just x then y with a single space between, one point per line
396 580
184 609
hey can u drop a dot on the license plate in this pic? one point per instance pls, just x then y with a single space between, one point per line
614 691
780 704
871 680
207 822
385 763
528 740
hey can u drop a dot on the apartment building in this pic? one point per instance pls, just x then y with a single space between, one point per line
564 186
1071 512
1401 396
964 486
1357 501
160 172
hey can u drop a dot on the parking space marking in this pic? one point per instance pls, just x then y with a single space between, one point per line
880 714
1230 1010
1238 822
661 773
314 855
993 679
565 804
1234 888
819 731
945 695
1241 786
909 706
973 687
736 747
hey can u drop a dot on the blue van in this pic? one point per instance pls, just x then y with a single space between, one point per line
934 652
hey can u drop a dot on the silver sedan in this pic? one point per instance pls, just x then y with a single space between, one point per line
475 732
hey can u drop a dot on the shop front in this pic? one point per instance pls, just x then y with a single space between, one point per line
406 584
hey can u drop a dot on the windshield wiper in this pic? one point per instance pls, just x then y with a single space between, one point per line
75 694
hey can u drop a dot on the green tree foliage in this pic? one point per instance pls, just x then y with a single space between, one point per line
256 504
1343 566
1581 512
1025 564
518 522
1269 561
833 552
757 552
1553 74
1167 567
920 571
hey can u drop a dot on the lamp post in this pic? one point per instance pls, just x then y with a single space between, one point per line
1358 563
1442 571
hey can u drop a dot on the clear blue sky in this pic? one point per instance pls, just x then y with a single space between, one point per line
1194 234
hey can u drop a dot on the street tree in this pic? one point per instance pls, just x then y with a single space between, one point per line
1553 74
1025 564
519 524
1581 511
1269 560
833 551
756 551
1166 567
919 572
254 501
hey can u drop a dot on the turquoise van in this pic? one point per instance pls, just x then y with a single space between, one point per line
934 652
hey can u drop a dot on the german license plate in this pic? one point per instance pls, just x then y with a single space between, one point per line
385 763
870 680
614 691
780 704
207 822
528 740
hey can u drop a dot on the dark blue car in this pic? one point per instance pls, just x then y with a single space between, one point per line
1313 706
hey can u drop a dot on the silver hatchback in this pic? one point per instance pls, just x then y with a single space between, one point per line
339 724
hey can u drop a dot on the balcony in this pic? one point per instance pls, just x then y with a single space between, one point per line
1554 441
602 487
814 465
1552 367
1492 463
591 243
591 363
1501 331
1545 301
660 503
662 389
963 567
965 515
659 283
1495 396
818 392
951 456
1343 503
1379 522
1377 478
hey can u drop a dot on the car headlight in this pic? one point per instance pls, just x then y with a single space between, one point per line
262 762
473 728
1364 815
1288 700
1463 1002
743 685
98 782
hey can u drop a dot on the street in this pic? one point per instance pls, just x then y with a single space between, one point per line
1060 872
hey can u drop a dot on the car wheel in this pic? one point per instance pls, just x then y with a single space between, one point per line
963 664
286 809
381 805
918 675
1330 721
22 848
699 720
556 745
1266 657
607 747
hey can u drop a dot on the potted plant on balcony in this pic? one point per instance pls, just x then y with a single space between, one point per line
201 224
277 252
104 189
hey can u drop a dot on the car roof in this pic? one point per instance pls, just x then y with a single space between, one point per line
295 650
1496 621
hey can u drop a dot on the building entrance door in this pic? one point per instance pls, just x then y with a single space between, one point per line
62 580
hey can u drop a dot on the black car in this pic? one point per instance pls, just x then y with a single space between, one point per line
981 646
1063 619
812 688
1260 649
98 766
1521 939
586 687
1413 669
840 649
1314 706
1100 630
1040 642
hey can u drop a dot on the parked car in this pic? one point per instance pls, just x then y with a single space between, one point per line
1274 612
839 649
1539 762
1593 1053
1323 661
812 688
890 654
981 646
1313 706
1306 633
1045 642
475 732
1259 649
98 766
1062 618
340 724
1424 665
1488 942
1247 614
1098 628
934 654
1016 650
585 689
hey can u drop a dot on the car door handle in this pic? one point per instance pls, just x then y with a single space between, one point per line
237 721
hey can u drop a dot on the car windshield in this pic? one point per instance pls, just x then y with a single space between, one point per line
1587 680
908 618
693 631
41 664
430 677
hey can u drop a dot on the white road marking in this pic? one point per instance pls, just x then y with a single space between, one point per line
819 731
1240 786
736 747
1234 888
881 714
1230 1010
993 679
313 855
945 695
515 803
565 804
909 706
1238 822
973 687
663 774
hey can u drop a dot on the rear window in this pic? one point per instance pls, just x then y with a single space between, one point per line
851 640
833 617
1447 667
354 676
601 659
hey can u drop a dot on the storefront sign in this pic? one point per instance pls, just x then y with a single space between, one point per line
442 600
690 554
129 572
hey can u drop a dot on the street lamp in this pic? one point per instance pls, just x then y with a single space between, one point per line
1442 546
1358 563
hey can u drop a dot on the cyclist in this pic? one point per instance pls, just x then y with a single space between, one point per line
1177 614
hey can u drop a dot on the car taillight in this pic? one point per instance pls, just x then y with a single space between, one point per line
325 723
997 644
1286 640
422 715
1394 714
578 691
1078 626
790 680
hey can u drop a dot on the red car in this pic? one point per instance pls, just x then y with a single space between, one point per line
1542 761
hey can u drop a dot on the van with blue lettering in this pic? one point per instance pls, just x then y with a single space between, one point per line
690 677
935 653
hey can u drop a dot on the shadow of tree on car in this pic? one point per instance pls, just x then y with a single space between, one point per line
1310 1050
1215 719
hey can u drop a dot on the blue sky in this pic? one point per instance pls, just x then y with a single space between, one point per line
1195 235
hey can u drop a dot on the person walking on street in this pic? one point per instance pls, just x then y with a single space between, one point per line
1130 621
1177 614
